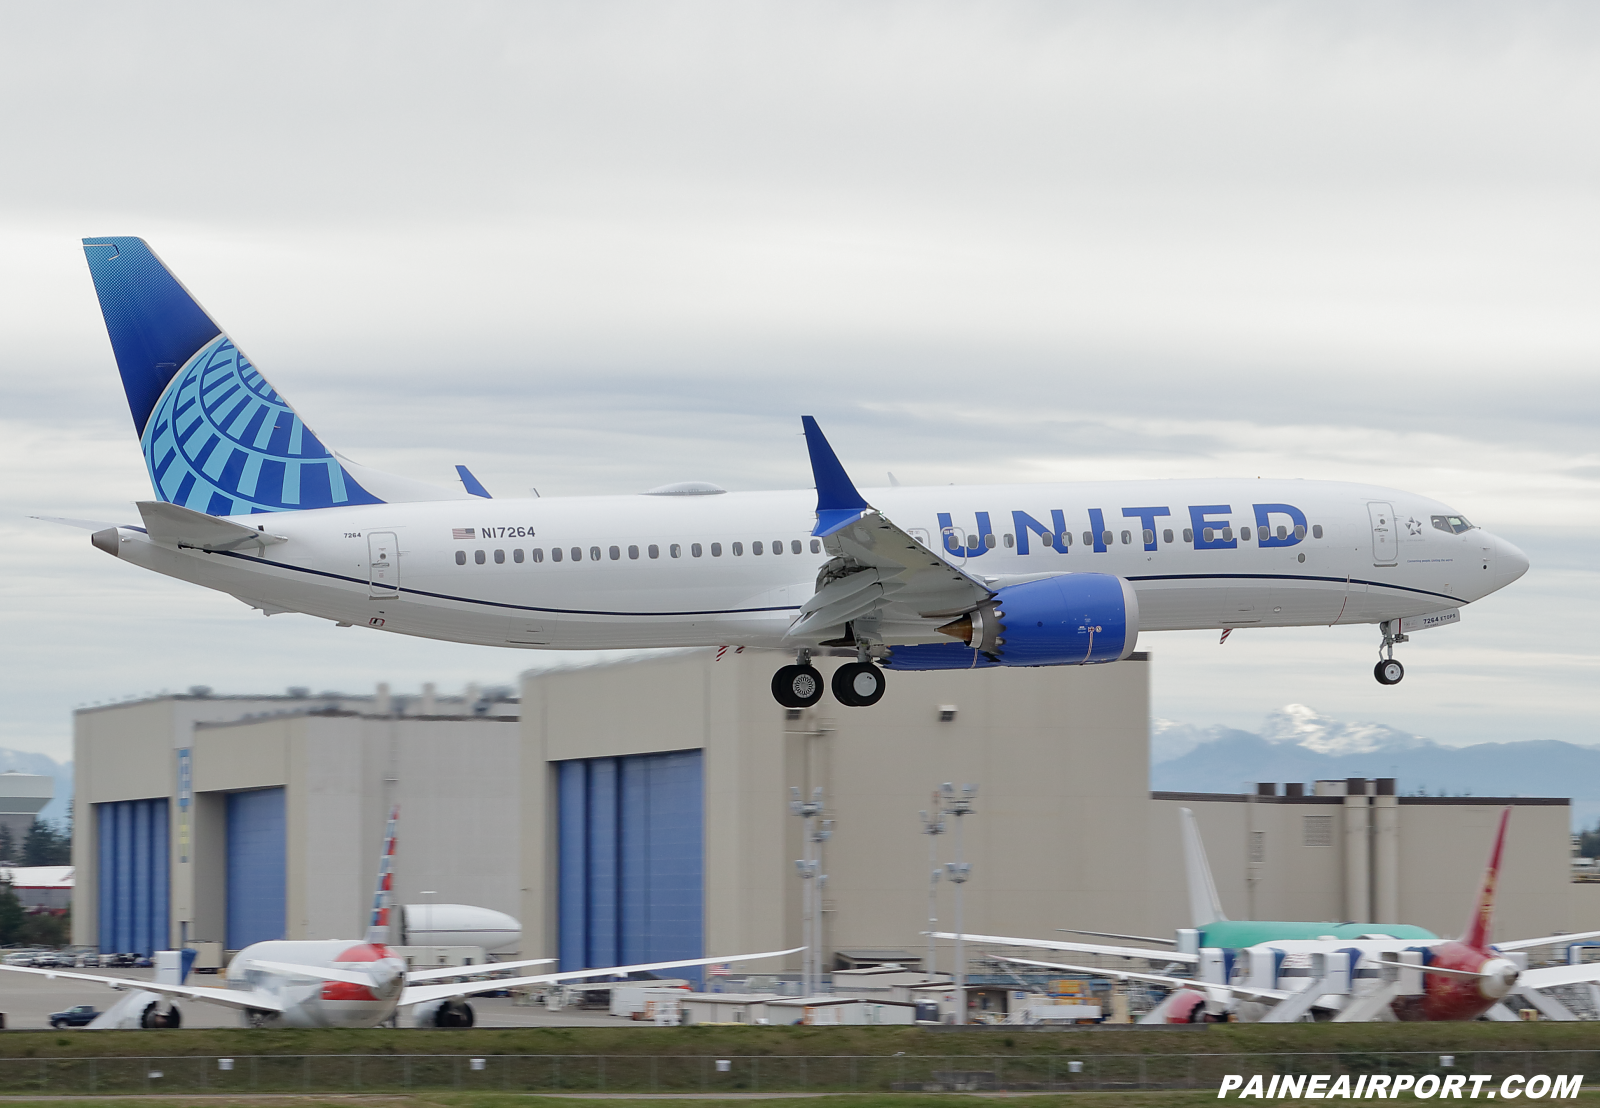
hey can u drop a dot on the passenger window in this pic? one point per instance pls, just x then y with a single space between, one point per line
675 550
1188 534
1105 539
795 547
816 546
1149 536
738 550
988 541
477 556
516 555
1316 531
1244 533
555 553
755 548
1166 536
615 552
1066 541
1126 538
716 550
654 551
1009 541
499 557
538 554
577 553
694 548
461 557
1088 538
1283 532
633 553
1208 535
1300 531
594 553
1227 534
777 546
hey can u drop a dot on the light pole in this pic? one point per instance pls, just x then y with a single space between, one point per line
807 867
932 826
959 870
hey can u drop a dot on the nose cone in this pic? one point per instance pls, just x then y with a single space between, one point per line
1509 562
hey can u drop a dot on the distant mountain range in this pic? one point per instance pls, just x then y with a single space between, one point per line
23 761
1297 744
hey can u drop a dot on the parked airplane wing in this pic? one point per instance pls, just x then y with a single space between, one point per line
1551 976
440 973
1548 940
420 994
1158 978
232 998
1082 948
875 562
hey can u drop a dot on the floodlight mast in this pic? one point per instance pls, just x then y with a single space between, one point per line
959 870
808 867
932 826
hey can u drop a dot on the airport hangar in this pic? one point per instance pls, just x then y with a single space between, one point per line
638 810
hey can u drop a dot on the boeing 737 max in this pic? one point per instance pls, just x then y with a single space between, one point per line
250 502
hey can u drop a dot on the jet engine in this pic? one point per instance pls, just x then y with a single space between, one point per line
161 1014
1072 619
444 1013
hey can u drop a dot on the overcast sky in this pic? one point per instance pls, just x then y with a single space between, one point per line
595 247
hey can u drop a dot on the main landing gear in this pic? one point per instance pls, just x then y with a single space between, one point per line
856 685
1388 671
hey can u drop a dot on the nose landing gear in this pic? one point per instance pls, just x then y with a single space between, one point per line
1388 671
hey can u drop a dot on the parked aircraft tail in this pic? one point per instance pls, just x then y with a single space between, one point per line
1477 935
1205 906
383 895
217 438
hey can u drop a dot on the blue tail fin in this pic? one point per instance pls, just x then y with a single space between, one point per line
217 437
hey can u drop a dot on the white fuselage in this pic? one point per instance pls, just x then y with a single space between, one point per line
451 569
309 1002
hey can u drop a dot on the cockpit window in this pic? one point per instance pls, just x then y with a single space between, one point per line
1452 524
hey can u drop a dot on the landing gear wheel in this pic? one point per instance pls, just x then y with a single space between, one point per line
1389 672
858 685
797 686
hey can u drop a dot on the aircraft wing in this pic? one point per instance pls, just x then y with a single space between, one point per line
1551 976
1548 940
1081 948
1159 979
440 973
421 994
232 998
875 563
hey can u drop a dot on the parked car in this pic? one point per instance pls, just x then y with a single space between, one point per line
79 1016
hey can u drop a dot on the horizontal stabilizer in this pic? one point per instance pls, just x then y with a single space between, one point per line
1548 940
314 973
190 530
82 524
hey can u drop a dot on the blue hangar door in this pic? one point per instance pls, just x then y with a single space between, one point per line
133 864
258 869
632 860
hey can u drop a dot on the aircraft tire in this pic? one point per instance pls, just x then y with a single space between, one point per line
858 685
1389 672
797 686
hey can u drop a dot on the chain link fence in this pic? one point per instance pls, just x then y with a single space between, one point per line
330 1073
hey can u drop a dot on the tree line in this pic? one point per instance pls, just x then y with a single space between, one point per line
45 844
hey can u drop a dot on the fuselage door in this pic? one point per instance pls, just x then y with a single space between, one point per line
1385 542
383 563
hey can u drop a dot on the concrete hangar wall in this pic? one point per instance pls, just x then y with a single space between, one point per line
638 810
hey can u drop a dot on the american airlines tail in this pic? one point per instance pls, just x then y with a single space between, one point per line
217 437
383 894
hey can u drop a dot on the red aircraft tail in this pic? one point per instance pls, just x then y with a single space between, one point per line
1477 936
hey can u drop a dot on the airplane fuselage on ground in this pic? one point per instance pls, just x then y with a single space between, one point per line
734 568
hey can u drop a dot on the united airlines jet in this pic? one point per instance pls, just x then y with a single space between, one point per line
250 502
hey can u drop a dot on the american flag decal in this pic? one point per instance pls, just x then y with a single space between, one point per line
464 533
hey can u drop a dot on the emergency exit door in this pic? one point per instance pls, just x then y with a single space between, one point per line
1385 543
383 563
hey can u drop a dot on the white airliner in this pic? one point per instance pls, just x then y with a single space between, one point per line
251 503
354 982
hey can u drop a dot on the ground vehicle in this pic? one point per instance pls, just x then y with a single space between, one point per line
78 1016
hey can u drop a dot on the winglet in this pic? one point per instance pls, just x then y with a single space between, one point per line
1205 906
1477 936
838 502
471 483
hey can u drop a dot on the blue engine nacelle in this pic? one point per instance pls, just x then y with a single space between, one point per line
1073 619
